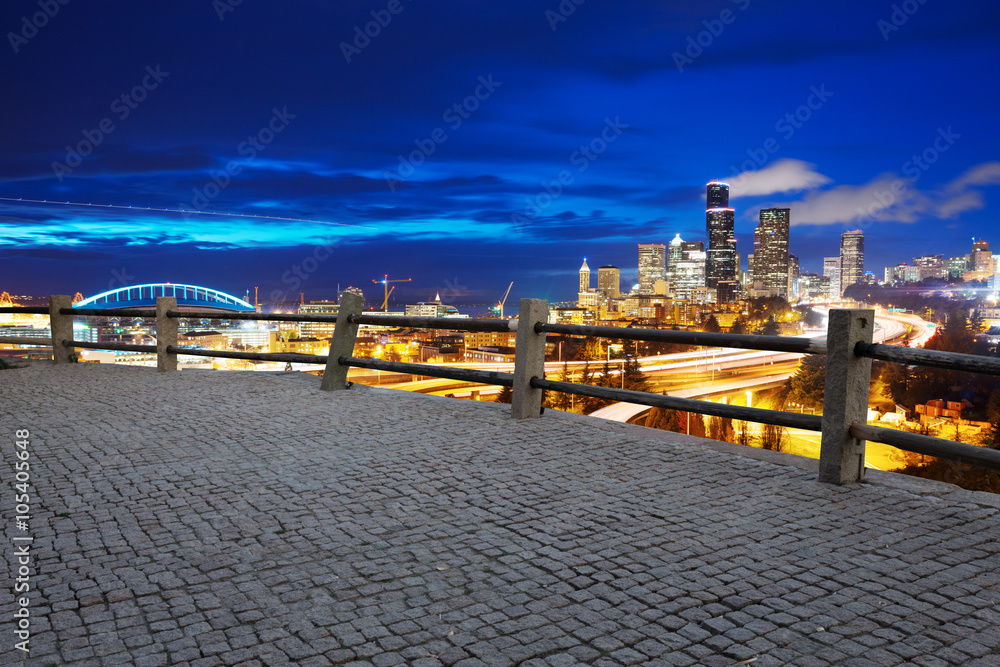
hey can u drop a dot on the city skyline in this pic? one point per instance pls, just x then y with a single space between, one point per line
434 148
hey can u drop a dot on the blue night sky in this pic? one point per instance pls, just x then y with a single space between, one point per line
435 149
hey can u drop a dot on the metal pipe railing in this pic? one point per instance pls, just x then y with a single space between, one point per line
952 361
286 357
122 347
741 341
758 415
453 324
925 444
18 340
108 312
445 372
24 310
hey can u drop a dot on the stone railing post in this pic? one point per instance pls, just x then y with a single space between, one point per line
166 334
62 328
845 397
342 345
529 359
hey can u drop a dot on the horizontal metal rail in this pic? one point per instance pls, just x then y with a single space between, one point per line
17 340
741 341
925 444
952 361
287 357
119 347
25 310
758 415
108 312
261 317
445 372
454 324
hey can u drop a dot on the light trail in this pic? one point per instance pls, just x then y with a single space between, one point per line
182 211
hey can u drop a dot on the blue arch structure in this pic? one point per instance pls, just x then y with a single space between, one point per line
144 296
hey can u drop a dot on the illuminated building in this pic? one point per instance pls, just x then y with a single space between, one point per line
720 261
690 273
318 329
674 255
289 343
852 259
431 309
652 266
609 281
584 277
831 269
770 252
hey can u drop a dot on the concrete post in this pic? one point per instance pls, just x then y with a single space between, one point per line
342 345
845 397
62 328
166 334
529 359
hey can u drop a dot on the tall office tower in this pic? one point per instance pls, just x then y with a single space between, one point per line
584 277
718 194
831 270
852 259
770 251
793 277
720 262
690 273
981 258
609 281
652 266
673 257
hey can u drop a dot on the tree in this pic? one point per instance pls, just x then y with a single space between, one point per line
772 437
770 328
743 435
664 419
807 385
739 326
721 428
712 325
563 401
692 423
506 395
634 378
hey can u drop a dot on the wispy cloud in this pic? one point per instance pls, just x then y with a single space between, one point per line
892 198
785 175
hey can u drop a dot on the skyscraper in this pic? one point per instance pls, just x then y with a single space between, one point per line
720 260
690 273
852 259
609 281
831 270
584 277
673 257
770 251
652 266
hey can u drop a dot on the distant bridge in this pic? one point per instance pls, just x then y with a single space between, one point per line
144 296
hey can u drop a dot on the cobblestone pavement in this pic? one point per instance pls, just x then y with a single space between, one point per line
201 518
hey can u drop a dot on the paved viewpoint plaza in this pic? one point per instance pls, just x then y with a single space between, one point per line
209 518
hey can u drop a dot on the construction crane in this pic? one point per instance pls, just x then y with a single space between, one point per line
500 304
385 281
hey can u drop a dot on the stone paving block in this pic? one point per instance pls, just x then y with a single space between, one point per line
276 525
